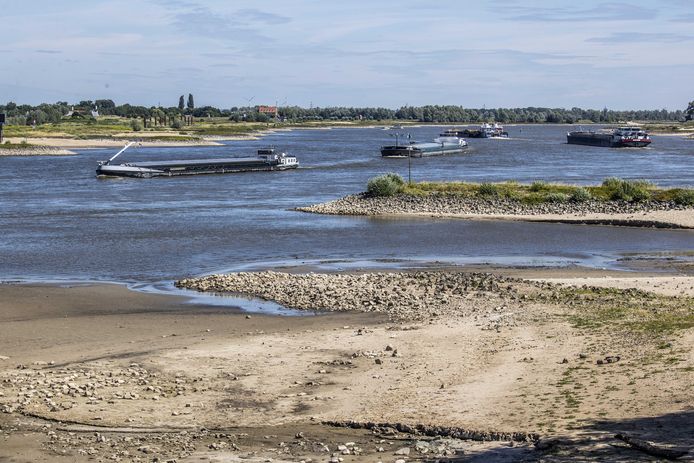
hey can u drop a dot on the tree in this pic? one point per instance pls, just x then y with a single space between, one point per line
191 103
181 102
690 111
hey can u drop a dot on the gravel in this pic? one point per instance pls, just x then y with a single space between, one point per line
400 295
362 204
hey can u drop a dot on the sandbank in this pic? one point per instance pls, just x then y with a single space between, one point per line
90 371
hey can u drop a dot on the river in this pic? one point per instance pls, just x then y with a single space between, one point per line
59 222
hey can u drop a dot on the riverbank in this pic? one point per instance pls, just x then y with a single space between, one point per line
34 150
666 214
51 143
485 363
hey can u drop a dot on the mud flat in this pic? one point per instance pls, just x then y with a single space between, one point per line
400 365
642 214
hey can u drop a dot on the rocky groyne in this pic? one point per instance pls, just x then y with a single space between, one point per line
35 150
400 296
448 204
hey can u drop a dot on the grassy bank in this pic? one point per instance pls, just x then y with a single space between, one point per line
612 189
117 127
15 146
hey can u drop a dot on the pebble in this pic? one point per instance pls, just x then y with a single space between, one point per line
415 296
361 204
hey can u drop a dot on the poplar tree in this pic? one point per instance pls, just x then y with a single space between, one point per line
191 103
181 103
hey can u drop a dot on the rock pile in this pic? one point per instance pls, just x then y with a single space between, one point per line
49 391
35 150
402 296
361 204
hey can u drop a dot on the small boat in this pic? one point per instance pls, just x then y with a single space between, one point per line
622 137
265 160
439 147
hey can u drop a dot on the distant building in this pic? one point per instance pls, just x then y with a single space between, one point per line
269 110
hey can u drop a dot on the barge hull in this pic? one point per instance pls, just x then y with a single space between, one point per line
605 141
403 153
149 173
590 140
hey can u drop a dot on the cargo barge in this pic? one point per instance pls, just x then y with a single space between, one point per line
485 131
622 137
265 160
439 147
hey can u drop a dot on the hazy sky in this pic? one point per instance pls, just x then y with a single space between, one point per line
633 54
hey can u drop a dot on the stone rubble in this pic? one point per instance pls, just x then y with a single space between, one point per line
402 296
362 204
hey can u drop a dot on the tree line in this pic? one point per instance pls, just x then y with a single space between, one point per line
56 112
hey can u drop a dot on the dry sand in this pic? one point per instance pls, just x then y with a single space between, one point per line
664 219
101 373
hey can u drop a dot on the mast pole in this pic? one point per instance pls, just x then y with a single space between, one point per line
120 152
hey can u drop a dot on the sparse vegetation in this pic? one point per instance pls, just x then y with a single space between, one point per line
136 125
612 189
557 197
580 195
684 197
538 185
15 146
488 189
628 190
629 309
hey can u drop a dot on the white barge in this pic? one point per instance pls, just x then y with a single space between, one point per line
265 160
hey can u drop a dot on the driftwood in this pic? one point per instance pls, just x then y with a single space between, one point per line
650 449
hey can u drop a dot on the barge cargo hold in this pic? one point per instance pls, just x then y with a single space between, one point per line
623 137
266 160
440 146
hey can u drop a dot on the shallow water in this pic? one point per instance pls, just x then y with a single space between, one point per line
60 222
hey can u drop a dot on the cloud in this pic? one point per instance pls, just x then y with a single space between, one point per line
48 52
253 15
685 18
243 25
647 37
602 12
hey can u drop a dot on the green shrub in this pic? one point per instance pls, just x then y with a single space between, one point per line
684 197
136 125
612 182
384 185
580 195
628 190
177 124
395 178
538 185
556 198
488 189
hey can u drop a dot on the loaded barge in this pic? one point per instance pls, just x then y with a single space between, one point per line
623 137
485 131
440 146
265 160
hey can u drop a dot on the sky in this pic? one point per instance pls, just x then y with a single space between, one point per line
632 54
